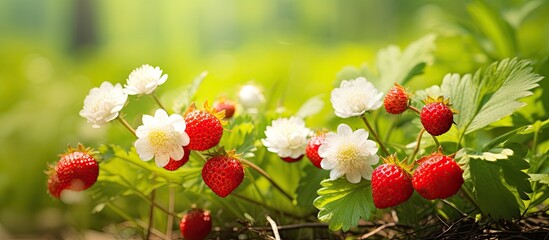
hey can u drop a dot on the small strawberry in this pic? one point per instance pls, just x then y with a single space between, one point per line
437 176
176 164
391 183
53 185
196 225
437 116
224 104
291 160
397 100
223 174
77 169
312 148
204 127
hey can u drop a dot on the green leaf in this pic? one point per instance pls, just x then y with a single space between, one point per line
499 184
187 96
540 177
242 137
309 184
396 66
490 94
495 28
343 204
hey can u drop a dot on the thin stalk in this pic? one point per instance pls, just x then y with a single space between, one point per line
151 214
418 143
126 125
469 197
436 141
171 204
267 176
414 109
252 201
157 101
383 149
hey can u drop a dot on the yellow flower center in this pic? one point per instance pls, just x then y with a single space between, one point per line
348 156
160 139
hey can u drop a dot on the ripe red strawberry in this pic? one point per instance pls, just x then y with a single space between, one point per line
196 225
391 183
53 185
312 148
174 165
437 176
437 116
291 160
223 174
77 169
204 128
224 104
397 100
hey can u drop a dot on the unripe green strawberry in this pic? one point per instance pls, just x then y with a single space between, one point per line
77 169
312 148
437 116
396 101
224 104
204 127
437 176
391 183
223 174
196 225
176 164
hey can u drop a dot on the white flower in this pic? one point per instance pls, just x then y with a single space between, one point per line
161 137
348 153
250 96
144 80
287 137
355 97
102 104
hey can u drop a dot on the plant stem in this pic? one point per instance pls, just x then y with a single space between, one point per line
418 143
436 141
126 125
151 214
236 195
469 197
267 176
171 204
383 149
157 101
414 109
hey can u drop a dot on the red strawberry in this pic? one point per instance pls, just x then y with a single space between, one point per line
195 225
437 116
53 185
77 169
396 101
391 184
223 174
204 128
312 148
224 104
437 176
176 164
291 160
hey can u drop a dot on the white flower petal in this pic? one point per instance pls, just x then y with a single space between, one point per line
353 177
102 104
162 160
335 174
144 80
355 97
287 137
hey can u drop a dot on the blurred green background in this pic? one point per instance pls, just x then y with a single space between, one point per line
53 52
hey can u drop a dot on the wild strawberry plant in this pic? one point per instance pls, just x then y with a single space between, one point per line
242 159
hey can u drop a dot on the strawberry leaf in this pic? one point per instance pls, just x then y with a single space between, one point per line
498 182
309 184
343 204
489 95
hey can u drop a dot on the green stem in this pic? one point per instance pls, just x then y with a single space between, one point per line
267 176
157 101
171 204
414 109
376 137
151 214
126 125
418 143
436 141
469 197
